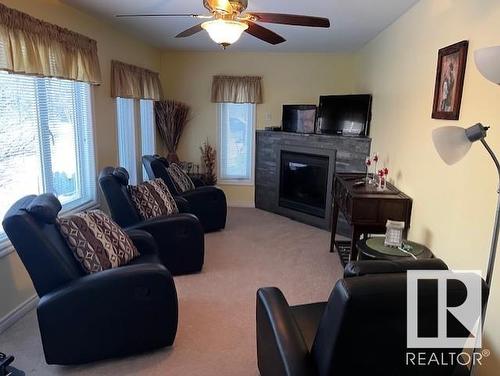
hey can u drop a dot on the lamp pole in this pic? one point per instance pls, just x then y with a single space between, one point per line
494 242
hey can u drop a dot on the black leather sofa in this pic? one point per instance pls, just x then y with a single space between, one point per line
208 203
180 237
361 330
83 318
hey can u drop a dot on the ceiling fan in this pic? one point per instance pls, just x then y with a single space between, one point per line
228 20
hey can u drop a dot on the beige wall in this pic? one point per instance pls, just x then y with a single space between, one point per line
453 206
287 79
15 285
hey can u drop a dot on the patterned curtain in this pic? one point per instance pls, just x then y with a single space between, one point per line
130 81
31 46
234 89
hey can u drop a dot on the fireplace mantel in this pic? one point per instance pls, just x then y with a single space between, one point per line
346 154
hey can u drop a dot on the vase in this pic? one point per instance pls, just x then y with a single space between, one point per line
172 157
382 183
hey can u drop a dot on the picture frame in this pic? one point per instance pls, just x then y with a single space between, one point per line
450 73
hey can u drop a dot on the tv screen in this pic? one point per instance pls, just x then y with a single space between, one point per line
299 118
347 115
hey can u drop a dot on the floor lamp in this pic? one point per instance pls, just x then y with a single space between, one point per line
453 143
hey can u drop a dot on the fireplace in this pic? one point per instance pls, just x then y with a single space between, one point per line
304 182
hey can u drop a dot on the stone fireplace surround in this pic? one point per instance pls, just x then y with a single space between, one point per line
345 154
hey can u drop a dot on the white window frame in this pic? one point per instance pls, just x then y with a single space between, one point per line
244 182
126 137
147 130
84 203
133 144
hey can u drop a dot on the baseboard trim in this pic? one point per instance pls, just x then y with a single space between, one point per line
18 313
241 204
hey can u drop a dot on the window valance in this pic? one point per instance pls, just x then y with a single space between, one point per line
130 81
235 89
31 46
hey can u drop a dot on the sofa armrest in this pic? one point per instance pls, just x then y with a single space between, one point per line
198 182
364 267
281 349
180 239
112 313
143 241
182 204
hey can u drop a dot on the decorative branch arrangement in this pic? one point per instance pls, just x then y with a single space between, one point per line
171 119
209 158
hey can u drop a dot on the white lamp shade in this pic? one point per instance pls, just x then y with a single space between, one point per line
451 143
488 63
224 32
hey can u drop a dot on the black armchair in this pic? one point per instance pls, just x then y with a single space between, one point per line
83 318
361 330
179 237
208 203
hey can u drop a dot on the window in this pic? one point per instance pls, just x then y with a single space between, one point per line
46 141
129 150
127 156
236 142
148 140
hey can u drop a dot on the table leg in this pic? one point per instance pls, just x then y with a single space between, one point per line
355 236
335 219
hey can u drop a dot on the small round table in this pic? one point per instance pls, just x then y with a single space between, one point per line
374 249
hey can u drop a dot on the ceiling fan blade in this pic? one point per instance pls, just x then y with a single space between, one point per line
218 5
264 34
191 31
290 19
161 15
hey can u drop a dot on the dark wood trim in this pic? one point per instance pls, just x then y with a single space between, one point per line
461 47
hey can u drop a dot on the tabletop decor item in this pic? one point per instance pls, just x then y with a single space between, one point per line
171 119
394 233
368 163
375 160
382 178
450 81
209 158
453 143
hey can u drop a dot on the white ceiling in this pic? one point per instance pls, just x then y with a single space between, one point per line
354 22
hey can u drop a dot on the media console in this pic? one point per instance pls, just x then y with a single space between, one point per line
294 173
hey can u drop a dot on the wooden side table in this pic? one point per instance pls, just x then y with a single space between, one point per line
366 209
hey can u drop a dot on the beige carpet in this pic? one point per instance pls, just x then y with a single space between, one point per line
216 334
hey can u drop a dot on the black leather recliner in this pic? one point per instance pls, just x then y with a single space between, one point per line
180 237
361 330
83 318
208 203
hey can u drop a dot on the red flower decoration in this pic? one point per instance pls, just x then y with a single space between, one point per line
375 158
368 162
381 173
386 171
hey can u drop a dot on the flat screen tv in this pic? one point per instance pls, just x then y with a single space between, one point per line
299 118
347 115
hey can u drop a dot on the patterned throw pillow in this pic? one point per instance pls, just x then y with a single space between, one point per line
182 181
153 199
97 242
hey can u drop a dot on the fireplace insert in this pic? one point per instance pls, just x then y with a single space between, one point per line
303 182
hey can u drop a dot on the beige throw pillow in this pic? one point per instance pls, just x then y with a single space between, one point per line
182 181
153 199
97 242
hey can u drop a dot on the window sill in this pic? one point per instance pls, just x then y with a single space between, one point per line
6 247
236 182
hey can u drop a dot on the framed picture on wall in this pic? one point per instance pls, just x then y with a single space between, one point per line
450 81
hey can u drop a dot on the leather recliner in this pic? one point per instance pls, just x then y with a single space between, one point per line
361 330
84 318
208 203
180 237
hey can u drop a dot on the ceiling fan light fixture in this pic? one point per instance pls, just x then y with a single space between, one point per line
224 32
